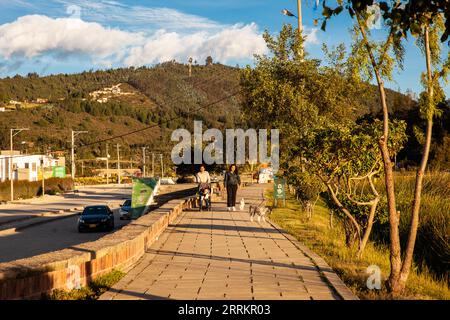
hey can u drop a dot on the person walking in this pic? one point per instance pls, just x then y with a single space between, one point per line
231 183
203 176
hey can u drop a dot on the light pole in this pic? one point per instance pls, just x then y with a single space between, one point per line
107 165
118 163
162 165
143 162
13 133
153 164
286 12
74 134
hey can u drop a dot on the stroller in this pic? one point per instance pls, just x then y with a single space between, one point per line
204 196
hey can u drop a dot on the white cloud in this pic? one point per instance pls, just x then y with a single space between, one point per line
311 36
37 35
232 43
34 35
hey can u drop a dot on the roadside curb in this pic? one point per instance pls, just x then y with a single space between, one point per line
325 270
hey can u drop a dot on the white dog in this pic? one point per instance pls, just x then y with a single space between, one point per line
242 205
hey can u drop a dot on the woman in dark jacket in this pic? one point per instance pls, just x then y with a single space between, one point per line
231 183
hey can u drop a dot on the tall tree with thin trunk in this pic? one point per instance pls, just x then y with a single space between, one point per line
426 20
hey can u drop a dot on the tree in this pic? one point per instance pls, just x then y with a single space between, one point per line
345 158
209 61
425 20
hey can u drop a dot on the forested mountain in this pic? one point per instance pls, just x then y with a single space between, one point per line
164 97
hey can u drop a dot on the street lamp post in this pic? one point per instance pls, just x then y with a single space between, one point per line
107 165
162 165
143 162
153 164
13 133
118 163
286 12
74 134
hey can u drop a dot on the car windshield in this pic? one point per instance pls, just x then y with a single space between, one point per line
127 203
102 210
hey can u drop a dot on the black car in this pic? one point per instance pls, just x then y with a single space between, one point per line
96 218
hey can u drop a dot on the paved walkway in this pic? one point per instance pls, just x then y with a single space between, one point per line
223 255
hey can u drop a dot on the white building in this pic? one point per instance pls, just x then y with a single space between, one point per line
25 167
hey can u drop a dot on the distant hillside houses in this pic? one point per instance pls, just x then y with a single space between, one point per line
104 94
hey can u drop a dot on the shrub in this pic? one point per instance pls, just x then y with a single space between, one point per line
28 189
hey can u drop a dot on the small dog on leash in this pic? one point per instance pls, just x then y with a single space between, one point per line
242 205
260 211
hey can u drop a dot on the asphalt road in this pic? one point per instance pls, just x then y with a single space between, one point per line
61 234
111 194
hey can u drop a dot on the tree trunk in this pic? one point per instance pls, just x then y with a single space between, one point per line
406 267
345 211
331 218
395 249
368 230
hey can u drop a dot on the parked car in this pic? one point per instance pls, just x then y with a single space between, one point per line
125 208
96 218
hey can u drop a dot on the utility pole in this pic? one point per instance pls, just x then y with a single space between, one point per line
190 66
118 164
82 168
13 132
107 165
143 162
74 134
299 16
162 165
43 177
153 164
300 25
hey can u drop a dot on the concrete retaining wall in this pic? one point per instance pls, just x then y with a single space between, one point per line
34 277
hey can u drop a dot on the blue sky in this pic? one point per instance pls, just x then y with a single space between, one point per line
67 36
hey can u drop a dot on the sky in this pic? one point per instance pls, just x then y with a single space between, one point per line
69 36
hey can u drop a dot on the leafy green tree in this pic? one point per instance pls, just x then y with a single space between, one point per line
345 157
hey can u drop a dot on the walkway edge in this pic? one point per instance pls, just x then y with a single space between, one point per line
331 277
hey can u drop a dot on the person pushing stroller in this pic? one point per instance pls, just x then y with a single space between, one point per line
204 187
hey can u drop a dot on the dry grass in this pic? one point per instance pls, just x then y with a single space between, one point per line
91 292
329 243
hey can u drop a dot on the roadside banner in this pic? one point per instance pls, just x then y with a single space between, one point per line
59 172
279 192
144 191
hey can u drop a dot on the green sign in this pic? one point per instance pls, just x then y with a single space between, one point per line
279 192
142 195
59 172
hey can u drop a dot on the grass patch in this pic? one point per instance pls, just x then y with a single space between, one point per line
330 244
91 292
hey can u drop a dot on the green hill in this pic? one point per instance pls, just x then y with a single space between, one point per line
150 97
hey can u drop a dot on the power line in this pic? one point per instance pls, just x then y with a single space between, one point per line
145 128
157 125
